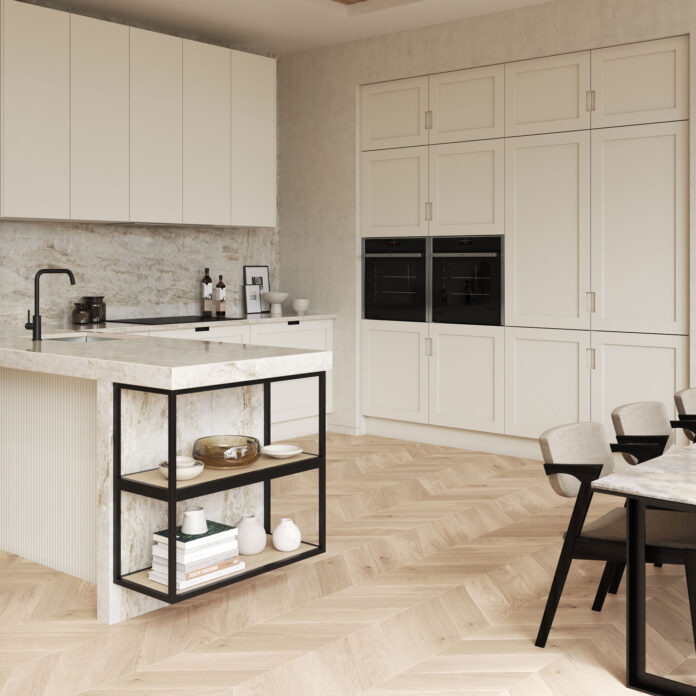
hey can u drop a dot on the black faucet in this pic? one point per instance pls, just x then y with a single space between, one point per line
35 325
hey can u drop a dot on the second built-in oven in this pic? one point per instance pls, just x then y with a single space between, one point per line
467 280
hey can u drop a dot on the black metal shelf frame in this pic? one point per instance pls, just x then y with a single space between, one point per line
172 494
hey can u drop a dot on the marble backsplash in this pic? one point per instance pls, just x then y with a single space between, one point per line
141 270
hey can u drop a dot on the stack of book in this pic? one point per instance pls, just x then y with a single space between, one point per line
199 557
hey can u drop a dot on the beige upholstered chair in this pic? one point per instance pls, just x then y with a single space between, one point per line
581 451
646 423
686 406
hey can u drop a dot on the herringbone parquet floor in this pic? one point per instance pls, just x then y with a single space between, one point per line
438 567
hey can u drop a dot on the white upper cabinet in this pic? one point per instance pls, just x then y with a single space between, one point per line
547 263
393 114
395 192
99 130
643 82
467 187
640 226
35 111
155 127
206 134
468 105
547 95
253 140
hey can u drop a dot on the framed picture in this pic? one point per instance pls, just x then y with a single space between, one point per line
258 275
252 295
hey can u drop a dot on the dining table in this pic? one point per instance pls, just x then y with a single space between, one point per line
667 482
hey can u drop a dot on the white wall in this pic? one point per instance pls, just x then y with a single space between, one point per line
319 246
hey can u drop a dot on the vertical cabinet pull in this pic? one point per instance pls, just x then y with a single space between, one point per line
428 120
590 104
428 211
590 302
428 347
590 362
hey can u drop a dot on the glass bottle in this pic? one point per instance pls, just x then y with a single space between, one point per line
207 294
220 298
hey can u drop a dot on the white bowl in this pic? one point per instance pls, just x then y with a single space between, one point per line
300 306
275 297
184 461
281 451
183 473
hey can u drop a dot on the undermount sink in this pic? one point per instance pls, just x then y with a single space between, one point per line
82 339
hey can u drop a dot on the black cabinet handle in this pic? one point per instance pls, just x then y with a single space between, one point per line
293 323
202 328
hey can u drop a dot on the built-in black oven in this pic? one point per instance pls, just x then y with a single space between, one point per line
394 279
467 280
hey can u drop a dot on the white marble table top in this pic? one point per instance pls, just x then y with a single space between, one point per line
671 477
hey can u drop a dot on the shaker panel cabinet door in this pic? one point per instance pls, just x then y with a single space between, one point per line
395 370
467 187
467 371
468 105
155 127
393 114
547 262
217 334
206 134
253 140
547 95
395 192
642 82
640 218
99 129
547 379
636 367
35 111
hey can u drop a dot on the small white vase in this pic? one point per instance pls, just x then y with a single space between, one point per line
251 536
287 536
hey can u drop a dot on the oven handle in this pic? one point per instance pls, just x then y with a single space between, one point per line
469 254
393 256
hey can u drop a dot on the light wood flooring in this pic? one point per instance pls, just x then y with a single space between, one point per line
438 567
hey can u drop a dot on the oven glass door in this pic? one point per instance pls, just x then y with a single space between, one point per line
394 287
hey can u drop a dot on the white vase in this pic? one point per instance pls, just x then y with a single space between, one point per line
251 536
287 536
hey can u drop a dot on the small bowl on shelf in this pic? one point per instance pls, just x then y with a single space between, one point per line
183 473
227 451
281 451
276 300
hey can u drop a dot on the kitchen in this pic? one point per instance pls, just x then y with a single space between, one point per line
142 145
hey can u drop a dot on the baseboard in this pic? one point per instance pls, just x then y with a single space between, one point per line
343 429
509 445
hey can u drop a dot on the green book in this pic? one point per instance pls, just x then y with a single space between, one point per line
217 531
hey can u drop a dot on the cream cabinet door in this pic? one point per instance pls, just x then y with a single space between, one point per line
220 334
395 370
99 120
636 367
547 379
547 95
155 127
467 377
394 192
467 187
253 140
468 105
641 83
297 398
35 111
640 218
206 134
393 114
547 240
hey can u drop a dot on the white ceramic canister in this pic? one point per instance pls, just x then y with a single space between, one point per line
287 535
251 536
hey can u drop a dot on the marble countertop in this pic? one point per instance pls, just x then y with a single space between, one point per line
670 477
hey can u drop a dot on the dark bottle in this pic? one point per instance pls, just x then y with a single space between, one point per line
220 299
207 294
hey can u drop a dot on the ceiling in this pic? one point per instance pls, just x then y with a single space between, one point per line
285 26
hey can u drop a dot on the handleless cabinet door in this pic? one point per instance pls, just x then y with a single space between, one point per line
467 187
641 83
467 377
393 114
547 241
206 134
640 213
547 379
394 192
636 367
395 370
547 95
35 111
468 105
99 137
155 127
253 140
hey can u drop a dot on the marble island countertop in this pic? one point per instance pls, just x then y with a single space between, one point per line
671 477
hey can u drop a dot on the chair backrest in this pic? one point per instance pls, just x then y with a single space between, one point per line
642 418
686 406
576 443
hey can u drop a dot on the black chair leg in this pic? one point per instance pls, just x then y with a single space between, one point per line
554 598
690 567
604 584
616 580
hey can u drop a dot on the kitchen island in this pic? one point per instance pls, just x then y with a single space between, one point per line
58 415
